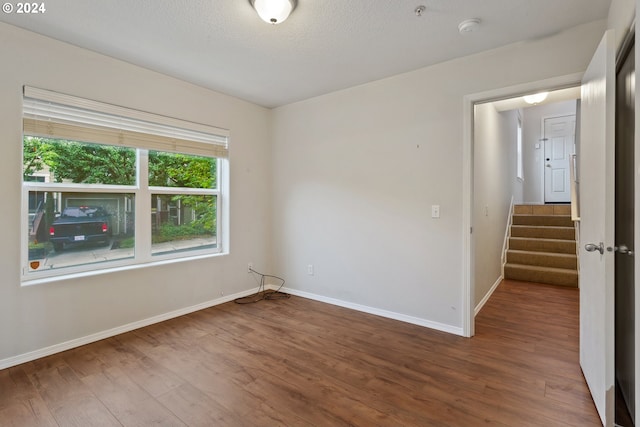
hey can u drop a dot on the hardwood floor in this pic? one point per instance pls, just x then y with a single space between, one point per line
298 362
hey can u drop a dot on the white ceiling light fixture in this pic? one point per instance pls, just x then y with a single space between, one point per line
535 98
468 26
273 11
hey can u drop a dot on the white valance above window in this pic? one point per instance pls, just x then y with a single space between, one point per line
50 114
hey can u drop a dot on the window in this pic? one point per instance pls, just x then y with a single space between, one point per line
105 186
519 154
183 202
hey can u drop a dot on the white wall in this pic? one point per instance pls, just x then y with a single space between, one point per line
38 316
621 15
494 185
356 173
533 157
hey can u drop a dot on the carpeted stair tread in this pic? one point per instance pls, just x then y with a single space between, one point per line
542 259
544 220
550 275
543 245
562 209
544 232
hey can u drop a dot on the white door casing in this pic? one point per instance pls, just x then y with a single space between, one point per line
468 102
597 182
559 137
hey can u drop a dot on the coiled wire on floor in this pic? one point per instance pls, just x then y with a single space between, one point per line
262 293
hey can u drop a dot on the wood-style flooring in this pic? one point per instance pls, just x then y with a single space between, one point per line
298 362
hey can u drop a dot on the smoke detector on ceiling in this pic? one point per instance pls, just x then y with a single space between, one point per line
468 26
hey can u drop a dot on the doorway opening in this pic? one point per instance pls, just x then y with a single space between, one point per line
523 188
522 153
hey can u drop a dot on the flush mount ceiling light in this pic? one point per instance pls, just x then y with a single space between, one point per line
273 11
468 26
535 98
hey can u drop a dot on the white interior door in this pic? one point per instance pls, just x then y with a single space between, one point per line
597 227
559 136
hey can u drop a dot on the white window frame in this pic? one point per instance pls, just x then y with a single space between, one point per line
173 135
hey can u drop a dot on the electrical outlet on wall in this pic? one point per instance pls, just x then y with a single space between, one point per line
310 269
249 267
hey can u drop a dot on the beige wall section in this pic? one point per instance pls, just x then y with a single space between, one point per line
356 173
533 158
38 316
494 184
621 16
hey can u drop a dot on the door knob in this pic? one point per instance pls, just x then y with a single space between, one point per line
623 249
592 247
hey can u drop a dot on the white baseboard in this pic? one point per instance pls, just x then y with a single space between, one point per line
487 296
68 345
57 348
376 311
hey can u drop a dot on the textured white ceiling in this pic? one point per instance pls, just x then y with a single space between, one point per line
325 45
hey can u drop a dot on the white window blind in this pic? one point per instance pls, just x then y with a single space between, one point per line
53 115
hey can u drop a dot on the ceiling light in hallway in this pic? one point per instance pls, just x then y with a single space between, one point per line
536 98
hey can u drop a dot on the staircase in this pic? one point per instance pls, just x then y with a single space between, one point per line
542 246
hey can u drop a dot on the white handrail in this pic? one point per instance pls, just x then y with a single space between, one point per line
575 187
507 234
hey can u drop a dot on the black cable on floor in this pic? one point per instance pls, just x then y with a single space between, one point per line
263 294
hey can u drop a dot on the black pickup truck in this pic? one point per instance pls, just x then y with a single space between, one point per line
82 224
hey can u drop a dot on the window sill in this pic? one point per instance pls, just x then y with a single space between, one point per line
79 275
